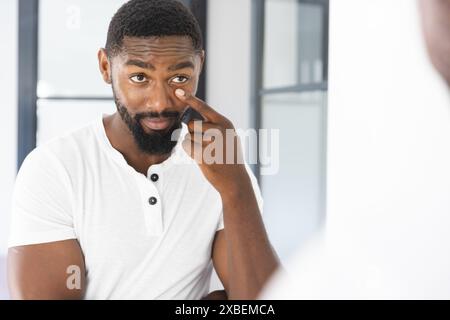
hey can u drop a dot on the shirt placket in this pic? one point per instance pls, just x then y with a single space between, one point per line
151 203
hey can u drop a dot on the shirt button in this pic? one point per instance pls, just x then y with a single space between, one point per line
154 177
152 200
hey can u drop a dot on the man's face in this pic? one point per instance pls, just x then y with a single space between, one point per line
144 78
436 26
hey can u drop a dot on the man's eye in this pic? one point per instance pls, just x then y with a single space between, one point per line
180 79
139 78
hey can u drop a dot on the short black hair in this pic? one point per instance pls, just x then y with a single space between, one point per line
152 18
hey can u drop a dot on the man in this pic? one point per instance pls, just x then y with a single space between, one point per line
120 209
386 254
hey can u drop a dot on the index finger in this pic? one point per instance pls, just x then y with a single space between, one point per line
200 106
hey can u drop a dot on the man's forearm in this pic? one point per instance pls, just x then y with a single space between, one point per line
251 258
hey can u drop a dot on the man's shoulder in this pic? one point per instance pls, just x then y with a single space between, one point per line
67 147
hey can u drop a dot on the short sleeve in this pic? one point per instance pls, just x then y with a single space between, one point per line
258 196
42 201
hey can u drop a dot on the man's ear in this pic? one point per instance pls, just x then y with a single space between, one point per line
202 60
104 65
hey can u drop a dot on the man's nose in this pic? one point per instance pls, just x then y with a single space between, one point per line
159 98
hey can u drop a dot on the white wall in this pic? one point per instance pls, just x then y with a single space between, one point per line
8 125
228 56
8 120
389 122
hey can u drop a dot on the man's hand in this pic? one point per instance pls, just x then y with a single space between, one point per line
221 161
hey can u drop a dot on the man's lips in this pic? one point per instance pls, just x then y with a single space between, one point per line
157 123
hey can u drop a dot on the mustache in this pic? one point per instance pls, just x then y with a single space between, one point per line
164 114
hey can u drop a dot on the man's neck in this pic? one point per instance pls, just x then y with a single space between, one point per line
122 140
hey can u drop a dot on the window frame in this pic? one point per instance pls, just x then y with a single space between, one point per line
257 67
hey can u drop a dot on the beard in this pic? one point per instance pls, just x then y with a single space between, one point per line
158 142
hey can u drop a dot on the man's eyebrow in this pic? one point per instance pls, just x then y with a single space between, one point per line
141 64
181 65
